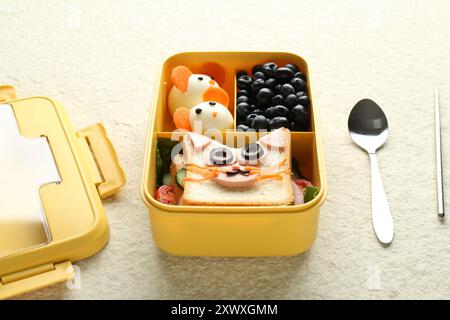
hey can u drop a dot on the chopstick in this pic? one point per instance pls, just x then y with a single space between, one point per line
439 174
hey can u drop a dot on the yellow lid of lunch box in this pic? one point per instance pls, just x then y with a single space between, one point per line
38 251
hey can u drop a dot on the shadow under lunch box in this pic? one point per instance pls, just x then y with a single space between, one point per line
233 230
52 183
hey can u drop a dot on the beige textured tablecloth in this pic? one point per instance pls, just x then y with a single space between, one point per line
99 59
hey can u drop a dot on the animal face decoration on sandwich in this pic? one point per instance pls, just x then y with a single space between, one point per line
197 100
257 174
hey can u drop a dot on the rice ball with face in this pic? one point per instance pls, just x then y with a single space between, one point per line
210 115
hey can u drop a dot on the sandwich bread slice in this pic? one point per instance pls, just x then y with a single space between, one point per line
258 174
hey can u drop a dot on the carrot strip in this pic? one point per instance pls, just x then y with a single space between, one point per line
269 176
197 170
277 175
252 168
281 163
197 166
219 170
283 171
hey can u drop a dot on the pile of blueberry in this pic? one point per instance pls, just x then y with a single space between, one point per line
273 97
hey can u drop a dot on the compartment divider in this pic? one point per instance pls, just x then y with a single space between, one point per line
234 102
303 149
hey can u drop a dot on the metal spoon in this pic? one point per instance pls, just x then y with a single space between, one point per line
368 128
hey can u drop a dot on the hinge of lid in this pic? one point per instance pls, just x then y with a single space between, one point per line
24 281
27 273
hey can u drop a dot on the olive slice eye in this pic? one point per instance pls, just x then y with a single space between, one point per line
221 156
252 152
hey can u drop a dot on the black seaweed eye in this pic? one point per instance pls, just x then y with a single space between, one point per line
252 152
200 78
221 156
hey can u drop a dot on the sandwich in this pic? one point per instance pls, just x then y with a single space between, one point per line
258 174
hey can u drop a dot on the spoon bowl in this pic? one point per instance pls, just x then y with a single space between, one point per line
368 125
368 128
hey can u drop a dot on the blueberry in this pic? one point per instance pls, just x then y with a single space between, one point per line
300 116
244 105
241 93
280 111
270 83
300 75
257 68
264 107
264 96
303 100
284 73
287 89
242 110
298 84
269 69
300 93
258 111
290 101
250 118
279 122
277 100
244 81
259 75
291 66
241 73
260 122
277 88
242 99
242 127
257 85
269 112
251 108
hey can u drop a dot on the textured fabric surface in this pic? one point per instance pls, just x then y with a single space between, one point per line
99 60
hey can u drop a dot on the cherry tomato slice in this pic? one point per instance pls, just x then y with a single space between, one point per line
166 195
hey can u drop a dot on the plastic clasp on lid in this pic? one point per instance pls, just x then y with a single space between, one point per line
105 156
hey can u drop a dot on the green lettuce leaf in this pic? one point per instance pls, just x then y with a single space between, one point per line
163 158
310 193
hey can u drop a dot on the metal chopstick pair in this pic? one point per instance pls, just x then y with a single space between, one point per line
439 174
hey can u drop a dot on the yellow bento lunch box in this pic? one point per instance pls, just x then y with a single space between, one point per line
233 230
37 251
